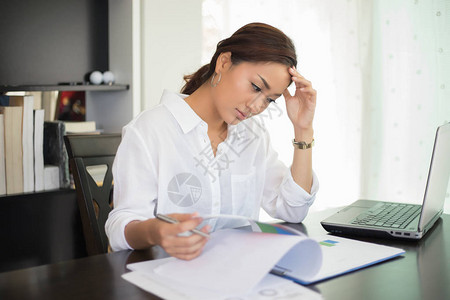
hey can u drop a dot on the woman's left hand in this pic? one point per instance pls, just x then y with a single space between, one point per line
302 105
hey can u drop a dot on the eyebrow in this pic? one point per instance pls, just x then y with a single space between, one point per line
265 82
267 85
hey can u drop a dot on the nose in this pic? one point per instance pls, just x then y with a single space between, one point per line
257 104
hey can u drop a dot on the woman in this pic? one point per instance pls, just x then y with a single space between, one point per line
200 152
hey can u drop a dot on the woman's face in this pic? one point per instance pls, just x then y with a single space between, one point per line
246 89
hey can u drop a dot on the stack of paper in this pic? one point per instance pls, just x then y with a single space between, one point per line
270 287
237 263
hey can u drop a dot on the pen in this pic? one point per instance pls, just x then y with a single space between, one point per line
175 221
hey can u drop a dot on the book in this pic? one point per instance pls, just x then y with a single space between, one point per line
37 99
49 104
38 147
2 156
55 152
4 100
13 148
51 177
241 259
74 127
27 104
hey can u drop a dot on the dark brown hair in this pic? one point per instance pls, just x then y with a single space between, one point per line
254 42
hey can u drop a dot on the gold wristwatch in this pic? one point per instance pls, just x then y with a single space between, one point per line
302 145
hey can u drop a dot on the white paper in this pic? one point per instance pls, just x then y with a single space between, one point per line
271 287
231 259
236 262
343 255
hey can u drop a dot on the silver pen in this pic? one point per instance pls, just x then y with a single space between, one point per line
175 221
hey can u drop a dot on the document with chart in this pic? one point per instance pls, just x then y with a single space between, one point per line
237 260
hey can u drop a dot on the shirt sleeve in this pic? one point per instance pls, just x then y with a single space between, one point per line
135 187
283 198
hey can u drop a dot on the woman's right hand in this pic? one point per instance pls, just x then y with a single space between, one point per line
171 238
144 234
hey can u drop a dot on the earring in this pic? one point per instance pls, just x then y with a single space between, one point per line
218 79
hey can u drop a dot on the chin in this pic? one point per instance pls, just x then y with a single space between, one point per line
233 121
230 119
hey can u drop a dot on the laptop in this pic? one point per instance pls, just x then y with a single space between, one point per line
390 219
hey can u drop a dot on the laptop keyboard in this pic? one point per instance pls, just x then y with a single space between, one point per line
393 215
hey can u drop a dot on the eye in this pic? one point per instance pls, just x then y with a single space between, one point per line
259 90
256 88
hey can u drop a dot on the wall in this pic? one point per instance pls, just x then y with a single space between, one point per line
152 44
52 41
112 110
171 42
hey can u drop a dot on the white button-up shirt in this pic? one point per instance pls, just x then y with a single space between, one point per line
165 164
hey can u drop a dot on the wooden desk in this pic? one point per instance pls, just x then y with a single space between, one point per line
423 273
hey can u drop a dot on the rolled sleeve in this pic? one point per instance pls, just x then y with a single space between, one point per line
293 201
115 227
294 194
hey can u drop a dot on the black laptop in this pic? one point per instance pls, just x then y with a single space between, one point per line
390 219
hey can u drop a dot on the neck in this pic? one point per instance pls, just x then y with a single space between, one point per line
201 102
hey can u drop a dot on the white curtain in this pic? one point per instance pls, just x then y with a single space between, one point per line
382 72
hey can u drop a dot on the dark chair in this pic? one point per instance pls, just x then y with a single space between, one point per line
91 158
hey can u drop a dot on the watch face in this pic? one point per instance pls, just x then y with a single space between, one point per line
302 144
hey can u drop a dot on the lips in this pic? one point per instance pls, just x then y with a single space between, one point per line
240 115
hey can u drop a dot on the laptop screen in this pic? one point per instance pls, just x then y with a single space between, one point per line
438 176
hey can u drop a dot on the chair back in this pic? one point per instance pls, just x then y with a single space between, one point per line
91 158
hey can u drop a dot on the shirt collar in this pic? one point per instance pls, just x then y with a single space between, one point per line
181 111
186 116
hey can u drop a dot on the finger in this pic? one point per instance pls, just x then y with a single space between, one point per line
186 241
206 228
309 92
175 230
293 71
188 225
184 245
177 241
189 256
186 222
297 77
197 237
301 82
183 217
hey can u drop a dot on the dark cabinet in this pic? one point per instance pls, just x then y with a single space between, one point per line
39 228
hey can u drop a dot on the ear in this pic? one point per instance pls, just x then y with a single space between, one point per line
223 62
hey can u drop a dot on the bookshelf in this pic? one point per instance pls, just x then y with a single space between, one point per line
53 42
68 87
51 45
